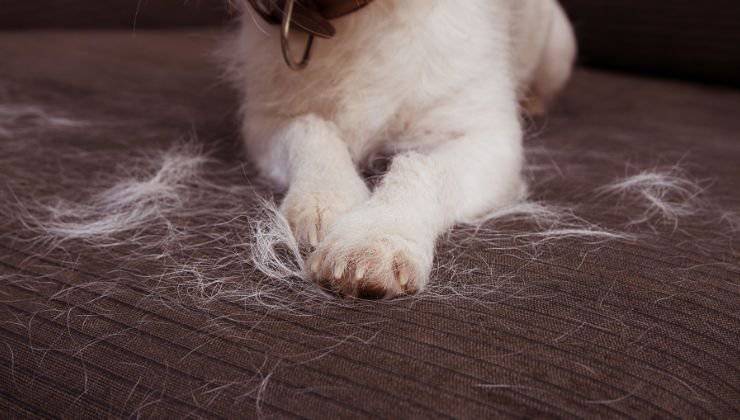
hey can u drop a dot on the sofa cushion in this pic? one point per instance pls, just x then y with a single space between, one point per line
173 319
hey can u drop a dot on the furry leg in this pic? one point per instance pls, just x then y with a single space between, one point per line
385 247
323 181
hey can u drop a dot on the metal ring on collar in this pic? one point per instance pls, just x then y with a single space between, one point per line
285 40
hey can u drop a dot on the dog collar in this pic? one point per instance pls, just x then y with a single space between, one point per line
310 16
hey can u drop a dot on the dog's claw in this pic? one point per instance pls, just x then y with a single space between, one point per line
339 270
313 236
315 265
360 272
403 278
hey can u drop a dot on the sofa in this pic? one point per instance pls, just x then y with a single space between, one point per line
619 298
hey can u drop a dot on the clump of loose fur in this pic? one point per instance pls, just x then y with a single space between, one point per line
129 205
662 195
18 117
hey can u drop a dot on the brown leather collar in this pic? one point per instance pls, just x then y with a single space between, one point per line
311 16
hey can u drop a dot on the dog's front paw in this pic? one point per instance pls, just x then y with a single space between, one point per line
369 257
310 213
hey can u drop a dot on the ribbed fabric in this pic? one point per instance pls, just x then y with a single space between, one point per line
645 329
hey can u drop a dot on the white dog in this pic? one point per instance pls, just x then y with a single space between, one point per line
438 83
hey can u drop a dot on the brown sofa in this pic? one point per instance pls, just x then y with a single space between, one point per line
643 326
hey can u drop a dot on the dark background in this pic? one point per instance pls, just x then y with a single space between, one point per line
142 14
697 40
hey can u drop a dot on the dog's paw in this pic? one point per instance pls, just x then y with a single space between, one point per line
367 258
311 213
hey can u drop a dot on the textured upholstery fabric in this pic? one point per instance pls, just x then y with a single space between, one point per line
581 329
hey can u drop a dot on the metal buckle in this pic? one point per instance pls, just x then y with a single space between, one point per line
285 40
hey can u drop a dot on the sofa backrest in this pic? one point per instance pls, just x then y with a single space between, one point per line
696 39
144 14
699 40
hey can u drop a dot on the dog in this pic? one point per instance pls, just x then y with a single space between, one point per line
439 84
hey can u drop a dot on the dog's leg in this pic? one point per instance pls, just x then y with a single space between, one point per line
323 182
556 62
385 247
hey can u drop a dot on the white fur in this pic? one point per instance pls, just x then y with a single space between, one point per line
667 195
15 118
438 82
